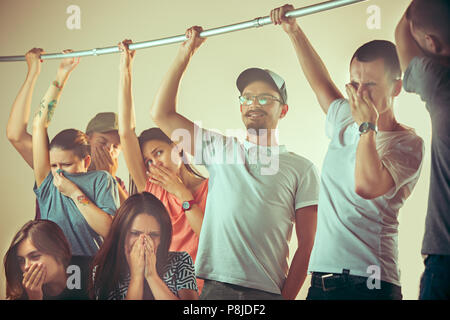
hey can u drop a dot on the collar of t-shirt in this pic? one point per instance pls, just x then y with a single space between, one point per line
271 150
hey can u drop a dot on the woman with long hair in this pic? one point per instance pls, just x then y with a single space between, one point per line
82 203
159 166
135 263
36 263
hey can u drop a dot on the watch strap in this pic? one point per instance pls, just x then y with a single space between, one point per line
187 205
366 126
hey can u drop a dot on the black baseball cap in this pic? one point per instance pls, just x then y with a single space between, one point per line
254 74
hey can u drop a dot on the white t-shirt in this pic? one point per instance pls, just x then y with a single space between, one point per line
354 233
250 210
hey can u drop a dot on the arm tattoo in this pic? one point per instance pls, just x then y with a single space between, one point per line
41 108
50 109
57 85
83 200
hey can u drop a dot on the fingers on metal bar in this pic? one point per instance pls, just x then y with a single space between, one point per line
257 22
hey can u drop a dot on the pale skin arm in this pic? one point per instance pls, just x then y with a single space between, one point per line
136 262
142 262
312 65
407 47
33 280
135 289
132 151
305 226
99 220
173 184
372 179
195 218
16 129
162 292
43 117
159 288
129 141
163 110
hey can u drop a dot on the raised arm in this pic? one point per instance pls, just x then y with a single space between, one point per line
163 111
372 178
127 123
407 47
16 129
310 62
43 117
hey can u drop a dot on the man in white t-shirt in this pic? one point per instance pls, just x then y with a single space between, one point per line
257 190
372 164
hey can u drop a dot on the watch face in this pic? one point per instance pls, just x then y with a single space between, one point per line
185 205
364 127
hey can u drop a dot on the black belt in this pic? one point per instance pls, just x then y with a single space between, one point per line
332 281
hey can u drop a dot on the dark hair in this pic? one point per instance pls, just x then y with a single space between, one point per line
74 140
380 49
110 263
157 134
431 16
48 238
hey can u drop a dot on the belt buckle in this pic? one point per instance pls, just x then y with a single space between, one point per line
323 278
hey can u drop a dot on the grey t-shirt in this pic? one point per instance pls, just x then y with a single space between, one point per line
99 186
431 81
254 192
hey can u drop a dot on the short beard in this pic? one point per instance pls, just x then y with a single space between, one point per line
257 130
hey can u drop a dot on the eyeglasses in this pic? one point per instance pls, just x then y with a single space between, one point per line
263 99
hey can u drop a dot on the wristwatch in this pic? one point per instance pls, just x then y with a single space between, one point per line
187 205
366 126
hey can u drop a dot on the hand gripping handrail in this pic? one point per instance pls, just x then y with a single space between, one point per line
257 22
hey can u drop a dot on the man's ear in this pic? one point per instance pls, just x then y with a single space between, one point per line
87 161
284 110
177 149
433 44
177 144
89 137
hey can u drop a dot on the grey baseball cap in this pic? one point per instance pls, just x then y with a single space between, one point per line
254 74
103 122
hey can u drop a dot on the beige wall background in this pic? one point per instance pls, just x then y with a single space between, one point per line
208 93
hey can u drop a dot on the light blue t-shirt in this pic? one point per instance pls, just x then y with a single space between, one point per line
99 186
353 233
253 194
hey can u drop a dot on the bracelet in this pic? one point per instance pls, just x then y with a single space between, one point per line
56 84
